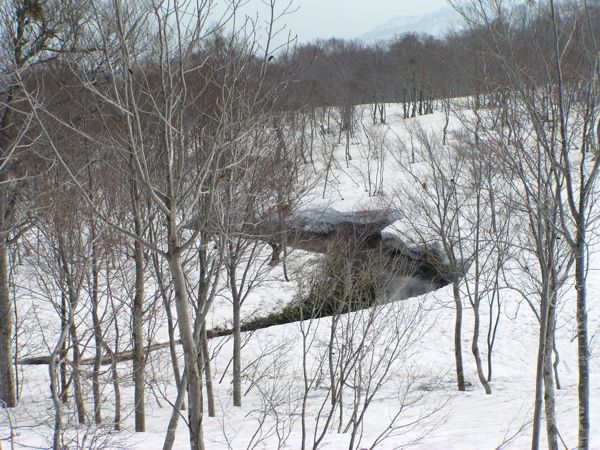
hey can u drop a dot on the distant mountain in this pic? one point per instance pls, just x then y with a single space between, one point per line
436 24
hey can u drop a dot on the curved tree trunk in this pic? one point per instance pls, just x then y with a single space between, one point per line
190 351
475 350
177 408
460 374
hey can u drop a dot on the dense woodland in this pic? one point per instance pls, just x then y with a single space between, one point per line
151 156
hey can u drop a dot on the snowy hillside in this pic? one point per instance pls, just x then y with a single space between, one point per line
408 391
435 24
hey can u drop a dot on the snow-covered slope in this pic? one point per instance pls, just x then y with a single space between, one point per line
420 382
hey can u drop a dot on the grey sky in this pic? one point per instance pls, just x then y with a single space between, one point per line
343 18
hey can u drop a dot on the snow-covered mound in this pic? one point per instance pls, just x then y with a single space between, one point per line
325 220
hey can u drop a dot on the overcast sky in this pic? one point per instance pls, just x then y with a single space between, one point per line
314 19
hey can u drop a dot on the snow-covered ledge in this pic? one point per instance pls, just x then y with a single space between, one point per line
373 227
325 221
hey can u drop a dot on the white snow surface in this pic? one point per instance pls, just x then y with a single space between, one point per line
272 357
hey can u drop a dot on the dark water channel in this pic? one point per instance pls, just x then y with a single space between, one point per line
400 274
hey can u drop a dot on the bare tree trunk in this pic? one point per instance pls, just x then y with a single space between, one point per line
474 296
170 322
284 235
56 434
312 139
460 375
328 169
113 360
237 346
347 152
210 397
97 332
556 362
68 328
490 340
76 354
172 344
330 357
475 349
194 379
94 298
116 387
117 392
56 400
139 359
382 113
7 378
64 382
549 397
177 408
374 113
539 377
446 107
303 139
579 211
583 356
494 320
306 385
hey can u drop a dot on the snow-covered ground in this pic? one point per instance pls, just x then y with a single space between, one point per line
420 385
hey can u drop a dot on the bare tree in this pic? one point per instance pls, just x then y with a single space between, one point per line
436 200
559 110
361 347
62 271
30 33
177 144
374 150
